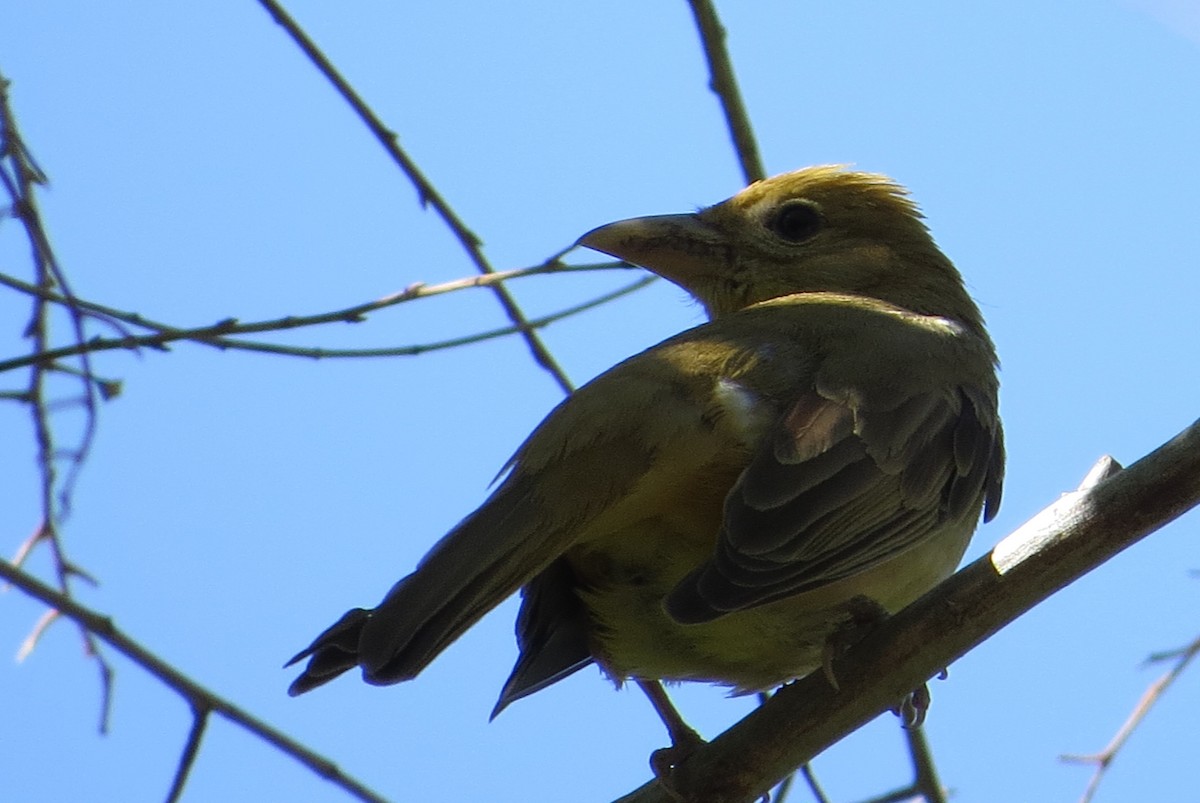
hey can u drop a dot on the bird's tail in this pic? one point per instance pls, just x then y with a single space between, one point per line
332 652
478 564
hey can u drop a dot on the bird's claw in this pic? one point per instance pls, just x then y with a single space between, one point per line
914 707
666 760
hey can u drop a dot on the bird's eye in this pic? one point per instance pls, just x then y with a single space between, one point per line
797 221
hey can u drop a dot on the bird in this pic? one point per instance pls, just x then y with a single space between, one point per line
719 507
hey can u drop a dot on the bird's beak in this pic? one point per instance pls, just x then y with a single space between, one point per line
683 248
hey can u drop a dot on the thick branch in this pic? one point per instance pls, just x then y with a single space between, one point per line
1060 544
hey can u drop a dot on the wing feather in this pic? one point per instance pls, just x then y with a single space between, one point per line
872 483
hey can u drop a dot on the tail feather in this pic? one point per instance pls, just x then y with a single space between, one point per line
474 568
552 634
331 653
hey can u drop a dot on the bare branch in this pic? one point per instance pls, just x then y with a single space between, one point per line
1104 759
35 635
218 334
20 175
1077 533
426 192
725 86
191 749
200 698
454 342
115 317
810 778
925 781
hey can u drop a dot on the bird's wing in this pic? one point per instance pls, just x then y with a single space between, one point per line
838 488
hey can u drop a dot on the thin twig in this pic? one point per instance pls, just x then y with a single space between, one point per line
725 86
925 780
26 175
903 795
810 778
428 195
199 697
20 175
439 345
191 749
30 642
414 291
1104 759
925 784
218 335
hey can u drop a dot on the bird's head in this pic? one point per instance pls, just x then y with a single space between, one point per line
819 229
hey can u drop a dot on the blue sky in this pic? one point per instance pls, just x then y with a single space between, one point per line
236 503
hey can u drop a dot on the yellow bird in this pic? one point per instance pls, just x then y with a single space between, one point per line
719 506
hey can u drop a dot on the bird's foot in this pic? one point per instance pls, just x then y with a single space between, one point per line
914 707
684 740
665 760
